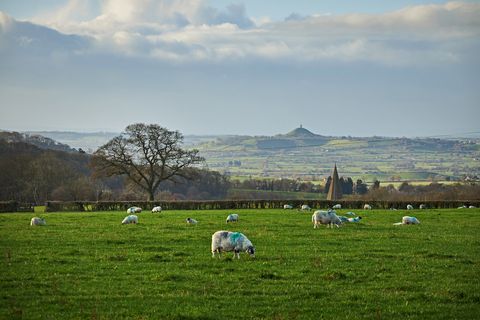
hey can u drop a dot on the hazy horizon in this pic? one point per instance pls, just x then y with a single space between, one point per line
393 69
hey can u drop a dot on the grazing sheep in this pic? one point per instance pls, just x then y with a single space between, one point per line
356 219
350 213
422 206
337 206
367 207
408 220
409 207
287 206
157 209
231 241
471 207
305 207
191 221
233 217
329 218
134 210
130 219
36 221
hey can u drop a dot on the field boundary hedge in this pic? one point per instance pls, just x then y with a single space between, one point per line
14 206
59 206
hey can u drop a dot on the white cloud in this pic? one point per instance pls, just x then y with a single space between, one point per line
190 30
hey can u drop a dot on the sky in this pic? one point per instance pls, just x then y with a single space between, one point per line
358 68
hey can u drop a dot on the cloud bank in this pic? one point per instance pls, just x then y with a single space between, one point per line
186 31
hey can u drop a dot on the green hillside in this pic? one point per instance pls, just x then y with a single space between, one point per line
308 156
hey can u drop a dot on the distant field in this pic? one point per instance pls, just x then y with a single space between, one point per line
88 265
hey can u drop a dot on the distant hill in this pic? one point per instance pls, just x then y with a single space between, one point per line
303 154
91 141
37 140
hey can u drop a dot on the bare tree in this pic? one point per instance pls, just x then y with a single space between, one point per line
147 155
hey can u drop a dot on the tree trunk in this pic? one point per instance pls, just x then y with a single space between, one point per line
151 196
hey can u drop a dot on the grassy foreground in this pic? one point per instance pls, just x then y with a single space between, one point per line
88 265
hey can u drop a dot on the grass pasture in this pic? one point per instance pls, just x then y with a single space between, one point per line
88 265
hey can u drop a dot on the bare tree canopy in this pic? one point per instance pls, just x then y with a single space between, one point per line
147 155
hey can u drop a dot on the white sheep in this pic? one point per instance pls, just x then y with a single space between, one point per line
134 210
36 221
408 220
329 218
409 207
231 241
287 206
471 207
462 207
337 206
130 219
233 217
191 221
157 209
367 207
422 207
305 207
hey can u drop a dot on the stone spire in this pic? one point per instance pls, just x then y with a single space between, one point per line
335 190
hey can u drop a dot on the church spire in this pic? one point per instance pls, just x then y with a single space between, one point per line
335 190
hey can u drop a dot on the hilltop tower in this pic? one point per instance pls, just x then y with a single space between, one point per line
335 190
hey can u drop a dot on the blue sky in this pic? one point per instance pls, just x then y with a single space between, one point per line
360 68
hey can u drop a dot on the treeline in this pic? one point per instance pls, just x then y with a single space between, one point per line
432 192
31 174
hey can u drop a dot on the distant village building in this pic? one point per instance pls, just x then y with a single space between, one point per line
335 190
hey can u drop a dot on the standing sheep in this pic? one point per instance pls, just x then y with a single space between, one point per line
422 207
329 218
157 209
134 210
36 221
407 220
233 217
305 207
367 207
337 206
231 241
130 219
409 207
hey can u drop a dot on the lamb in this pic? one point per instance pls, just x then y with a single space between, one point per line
134 210
191 221
130 219
409 207
231 241
367 207
36 221
337 206
329 218
157 209
356 219
408 220
305 207
287 206
233 217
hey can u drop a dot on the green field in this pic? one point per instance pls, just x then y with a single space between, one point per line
88 265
